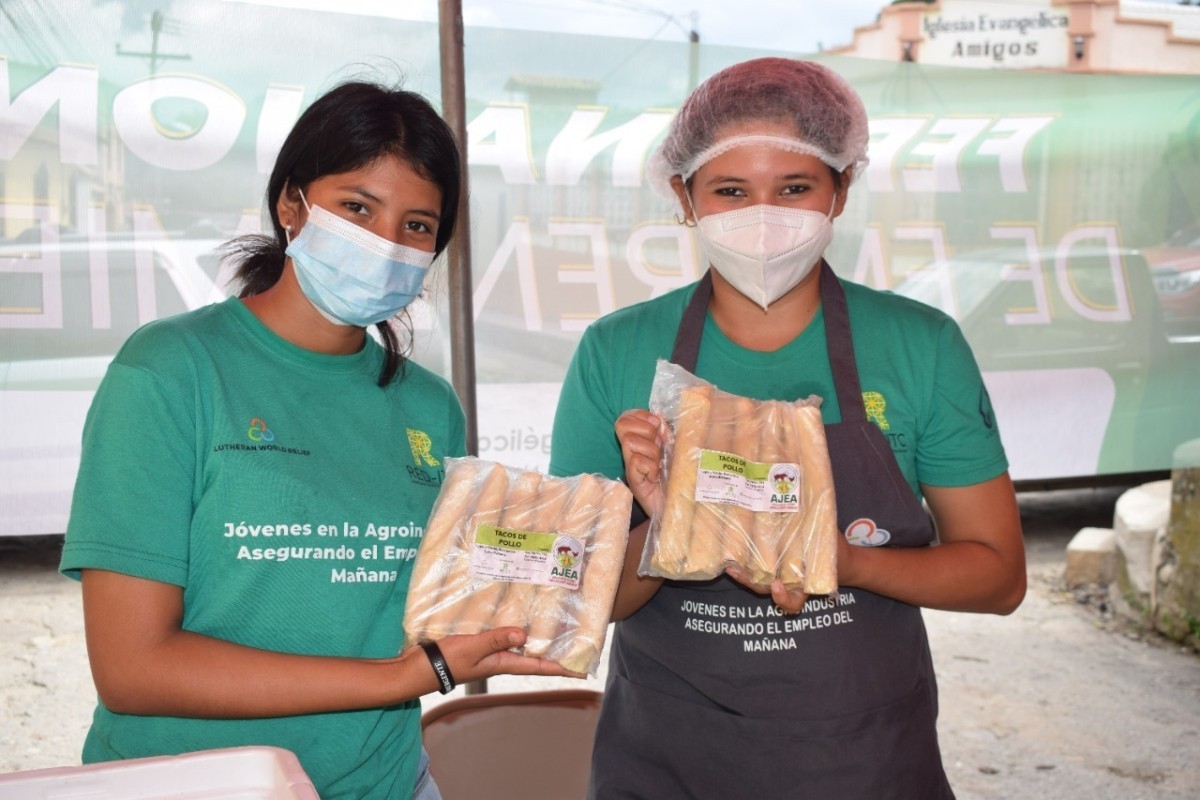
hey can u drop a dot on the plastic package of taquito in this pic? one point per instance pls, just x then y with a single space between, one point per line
506 546
745 482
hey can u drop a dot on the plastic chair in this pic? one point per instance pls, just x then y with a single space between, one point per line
518 745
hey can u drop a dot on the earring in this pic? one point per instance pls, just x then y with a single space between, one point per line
680 220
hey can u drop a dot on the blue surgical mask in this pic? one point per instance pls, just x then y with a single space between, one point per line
352 276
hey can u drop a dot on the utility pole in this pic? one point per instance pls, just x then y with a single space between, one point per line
693 53
156 25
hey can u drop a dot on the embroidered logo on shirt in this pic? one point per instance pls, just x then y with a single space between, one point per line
875 404
423 458
259 432
421 446
262 440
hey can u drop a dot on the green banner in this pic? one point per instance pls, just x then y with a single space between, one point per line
1054 215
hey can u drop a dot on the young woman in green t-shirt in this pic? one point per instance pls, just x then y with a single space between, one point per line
257 474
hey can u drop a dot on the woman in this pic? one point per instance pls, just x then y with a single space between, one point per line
828 697
257 475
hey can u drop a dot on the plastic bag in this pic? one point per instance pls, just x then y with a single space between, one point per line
745 482
511 547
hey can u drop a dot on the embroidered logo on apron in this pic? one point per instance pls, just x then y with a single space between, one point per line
865 533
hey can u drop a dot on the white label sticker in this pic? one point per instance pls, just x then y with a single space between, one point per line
546 559
754 485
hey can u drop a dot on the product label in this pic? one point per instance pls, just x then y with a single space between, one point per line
546 559
754 485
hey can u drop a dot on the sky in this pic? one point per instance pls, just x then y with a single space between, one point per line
805 26
797 25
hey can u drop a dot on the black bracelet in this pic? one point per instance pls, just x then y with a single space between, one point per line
440 667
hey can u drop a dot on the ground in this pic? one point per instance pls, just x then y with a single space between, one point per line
1059 700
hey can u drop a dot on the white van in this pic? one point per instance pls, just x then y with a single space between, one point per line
66 305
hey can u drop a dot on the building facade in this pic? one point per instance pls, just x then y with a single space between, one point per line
1105 36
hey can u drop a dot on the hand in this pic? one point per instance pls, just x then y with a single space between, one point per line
642 436
482 655
790 601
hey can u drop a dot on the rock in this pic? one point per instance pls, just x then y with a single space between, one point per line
1176 595
1091 557
1140 524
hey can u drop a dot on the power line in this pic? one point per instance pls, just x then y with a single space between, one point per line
157 24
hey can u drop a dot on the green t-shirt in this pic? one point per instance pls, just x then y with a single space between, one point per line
286 493
920 383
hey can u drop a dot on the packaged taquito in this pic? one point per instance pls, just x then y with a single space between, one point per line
506 546
745 482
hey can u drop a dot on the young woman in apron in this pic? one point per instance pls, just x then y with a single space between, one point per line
719 689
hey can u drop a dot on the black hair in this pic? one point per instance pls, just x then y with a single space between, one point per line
348 128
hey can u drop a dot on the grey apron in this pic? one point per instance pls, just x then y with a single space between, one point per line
713 693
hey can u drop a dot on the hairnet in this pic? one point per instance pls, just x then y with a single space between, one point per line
828 116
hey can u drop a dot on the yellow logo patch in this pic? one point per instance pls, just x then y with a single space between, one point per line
421 446
875 404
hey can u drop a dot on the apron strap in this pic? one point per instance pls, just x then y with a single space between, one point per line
687 340
838 342
840 346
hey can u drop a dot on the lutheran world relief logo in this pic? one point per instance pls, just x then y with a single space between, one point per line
262 439
259 432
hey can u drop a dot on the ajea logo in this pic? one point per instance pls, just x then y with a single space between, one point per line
783 480
566 555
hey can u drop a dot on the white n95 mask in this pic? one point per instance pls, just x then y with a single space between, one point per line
763 251
352 276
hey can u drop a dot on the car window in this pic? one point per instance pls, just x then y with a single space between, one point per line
1000 317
